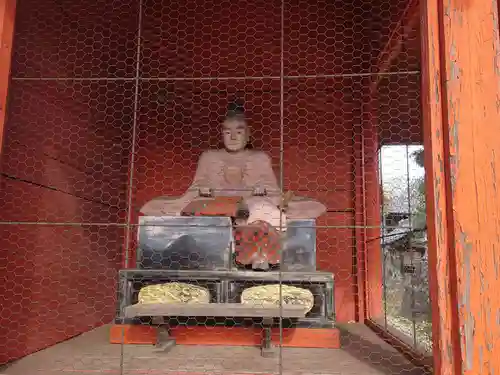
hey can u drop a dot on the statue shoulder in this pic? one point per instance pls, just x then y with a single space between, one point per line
261 156
209 155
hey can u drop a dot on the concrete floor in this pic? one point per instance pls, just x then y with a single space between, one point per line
362 353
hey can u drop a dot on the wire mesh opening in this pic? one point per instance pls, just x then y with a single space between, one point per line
111 106
404 243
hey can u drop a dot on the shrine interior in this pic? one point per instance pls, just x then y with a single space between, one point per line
111 104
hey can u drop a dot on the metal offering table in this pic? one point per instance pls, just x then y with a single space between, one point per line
227 286
200 250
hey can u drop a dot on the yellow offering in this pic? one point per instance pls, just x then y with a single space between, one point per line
269 295
174 292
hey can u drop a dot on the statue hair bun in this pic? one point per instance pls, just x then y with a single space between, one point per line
235 108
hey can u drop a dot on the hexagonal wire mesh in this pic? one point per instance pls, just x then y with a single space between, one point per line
111 105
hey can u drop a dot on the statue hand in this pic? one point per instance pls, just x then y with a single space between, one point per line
259 191
205 192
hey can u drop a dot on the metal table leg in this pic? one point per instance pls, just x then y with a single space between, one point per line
267 347
164 342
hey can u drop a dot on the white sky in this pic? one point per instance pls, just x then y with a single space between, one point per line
397 165
399 170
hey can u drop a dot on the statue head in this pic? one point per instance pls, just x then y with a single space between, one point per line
235 131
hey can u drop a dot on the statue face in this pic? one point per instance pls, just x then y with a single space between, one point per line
235 134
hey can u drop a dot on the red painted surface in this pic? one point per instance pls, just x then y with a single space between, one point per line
55 170
59 283
234 336
61 280
445 340
68 143
7 15
64 159
398 38
368 203
462 95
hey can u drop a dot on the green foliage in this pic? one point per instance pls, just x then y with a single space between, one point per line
419 188
418 156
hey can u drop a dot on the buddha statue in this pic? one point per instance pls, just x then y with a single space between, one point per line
237 171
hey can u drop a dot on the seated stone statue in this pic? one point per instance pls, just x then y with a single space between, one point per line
239 172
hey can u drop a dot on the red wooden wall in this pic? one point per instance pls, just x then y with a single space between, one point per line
69 145
64 160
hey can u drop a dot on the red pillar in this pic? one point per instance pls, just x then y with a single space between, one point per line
368 220
7 15
461 101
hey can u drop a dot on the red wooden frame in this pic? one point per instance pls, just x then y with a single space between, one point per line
461 95
234 336
7 17
444 336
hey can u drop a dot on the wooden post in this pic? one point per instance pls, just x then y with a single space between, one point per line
7 15
368 220
461 101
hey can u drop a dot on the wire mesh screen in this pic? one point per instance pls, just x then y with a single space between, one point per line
404 242
127 184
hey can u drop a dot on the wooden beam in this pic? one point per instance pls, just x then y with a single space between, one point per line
444 334
214 310
461 103
7 16
397 38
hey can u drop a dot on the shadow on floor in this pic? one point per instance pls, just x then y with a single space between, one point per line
370 349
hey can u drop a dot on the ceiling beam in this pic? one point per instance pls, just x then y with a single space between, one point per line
397 38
